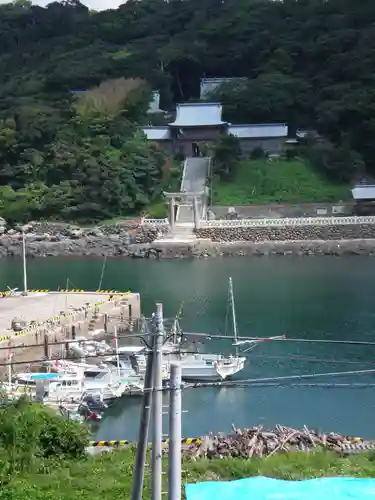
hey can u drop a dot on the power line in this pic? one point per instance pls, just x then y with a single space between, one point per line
286 339
67 341
295 358
251 381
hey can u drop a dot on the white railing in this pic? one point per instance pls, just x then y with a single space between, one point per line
283 222
154 222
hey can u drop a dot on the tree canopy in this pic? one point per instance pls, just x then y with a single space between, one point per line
308 63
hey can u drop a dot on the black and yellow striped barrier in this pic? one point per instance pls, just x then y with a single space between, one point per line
7 293
186 441
124 442
55 320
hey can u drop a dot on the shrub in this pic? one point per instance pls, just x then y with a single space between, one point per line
258 153
29 431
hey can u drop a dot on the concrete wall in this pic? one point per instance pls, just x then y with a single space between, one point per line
200 134
184 143
273 145
285 210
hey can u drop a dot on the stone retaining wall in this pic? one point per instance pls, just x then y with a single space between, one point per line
300 233
53 239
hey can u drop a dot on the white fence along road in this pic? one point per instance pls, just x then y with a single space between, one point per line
285 222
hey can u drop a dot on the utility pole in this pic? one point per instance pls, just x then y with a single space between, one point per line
174 447
140 460
24 263
157 410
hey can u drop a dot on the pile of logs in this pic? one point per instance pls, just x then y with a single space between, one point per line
256 442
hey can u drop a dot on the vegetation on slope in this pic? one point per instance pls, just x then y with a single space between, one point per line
42 457
110 476
277 181
308 63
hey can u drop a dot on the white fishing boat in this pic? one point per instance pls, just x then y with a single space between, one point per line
81 378
136 357
206 367
202 367
83 348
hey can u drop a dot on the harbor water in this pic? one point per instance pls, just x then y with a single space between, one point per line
311 298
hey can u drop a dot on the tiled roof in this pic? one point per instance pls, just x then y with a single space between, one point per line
259 131
157 133
364 192
201 114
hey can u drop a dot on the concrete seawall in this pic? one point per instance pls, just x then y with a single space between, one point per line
54 314
294 233
204 248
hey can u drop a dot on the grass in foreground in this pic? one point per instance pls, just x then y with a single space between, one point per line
109 477
277 181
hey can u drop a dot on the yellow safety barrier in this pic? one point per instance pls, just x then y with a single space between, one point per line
124 442
121 442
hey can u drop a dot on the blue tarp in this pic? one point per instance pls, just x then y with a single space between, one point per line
265 488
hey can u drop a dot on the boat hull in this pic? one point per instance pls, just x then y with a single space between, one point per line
214 373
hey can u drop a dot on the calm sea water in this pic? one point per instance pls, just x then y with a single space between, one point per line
311 297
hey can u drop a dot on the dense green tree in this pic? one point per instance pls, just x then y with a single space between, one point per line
309 63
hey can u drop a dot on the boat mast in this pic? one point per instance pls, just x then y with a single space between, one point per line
234 320
24 263
117 353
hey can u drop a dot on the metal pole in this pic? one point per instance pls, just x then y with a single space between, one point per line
196 213
117 353
157 410
24 263
10 356
171 213
10 371
174 455
140 460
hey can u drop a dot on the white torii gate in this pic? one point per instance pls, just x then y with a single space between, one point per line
174 199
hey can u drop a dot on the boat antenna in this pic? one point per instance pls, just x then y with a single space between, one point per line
176 323
117 352
24 263
102 273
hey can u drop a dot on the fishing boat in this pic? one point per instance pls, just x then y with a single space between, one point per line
136 357
202 367
195 366
82 378
84 348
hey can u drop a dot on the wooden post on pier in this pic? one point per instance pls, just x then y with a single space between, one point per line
106 323
73 332
46 347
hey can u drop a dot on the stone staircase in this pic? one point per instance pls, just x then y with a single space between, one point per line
181 233
194 179
196 171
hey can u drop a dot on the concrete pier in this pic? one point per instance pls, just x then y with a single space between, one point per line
59 316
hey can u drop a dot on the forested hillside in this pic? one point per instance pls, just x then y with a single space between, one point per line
309 63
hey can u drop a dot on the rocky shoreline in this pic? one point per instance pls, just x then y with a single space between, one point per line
134 241
62 240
